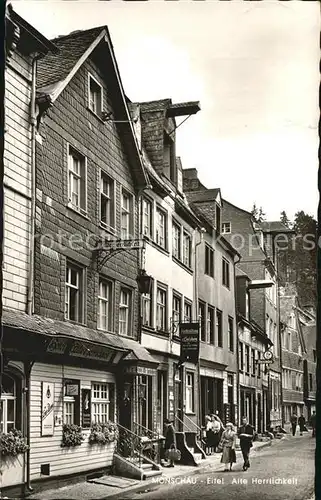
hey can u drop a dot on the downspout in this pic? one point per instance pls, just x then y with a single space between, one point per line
237 344
28 367
30 298
196 319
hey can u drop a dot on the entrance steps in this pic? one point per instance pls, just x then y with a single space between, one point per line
197 456
136 467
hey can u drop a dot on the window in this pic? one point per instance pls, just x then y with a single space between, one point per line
74 294
299 381
186 249
69 410
124 312
310 382
219 328
187 312
107 201
226 228
253 364
147 218
147 309
176 241
247 359
210 325
226 273
8 404
209 261
177 307
95 96
161 310
77 181
161 228
126 214
102 403
189 392
241 356
231 334
201 317
105 305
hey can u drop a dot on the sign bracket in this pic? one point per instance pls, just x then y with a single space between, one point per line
108 248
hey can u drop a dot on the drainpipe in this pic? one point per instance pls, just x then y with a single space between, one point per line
30 298
279 333
237 345
196 318
28 367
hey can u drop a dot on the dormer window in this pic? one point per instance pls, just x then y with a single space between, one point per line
95 93
226 228
169 158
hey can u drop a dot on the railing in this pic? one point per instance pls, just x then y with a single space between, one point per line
129 445
184 425
152 442
199 437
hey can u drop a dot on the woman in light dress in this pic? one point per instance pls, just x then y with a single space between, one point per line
227 443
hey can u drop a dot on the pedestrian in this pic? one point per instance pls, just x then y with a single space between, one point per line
294 423
313 421
216 427
227 443
301 422
170 441
246 434
209 435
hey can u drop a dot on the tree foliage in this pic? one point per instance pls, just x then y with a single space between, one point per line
257 213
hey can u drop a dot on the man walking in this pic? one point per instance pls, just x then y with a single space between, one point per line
169 441
294 423
313 419
301 422
246 435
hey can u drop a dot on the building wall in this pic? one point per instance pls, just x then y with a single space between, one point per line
47 449
17 181
70 122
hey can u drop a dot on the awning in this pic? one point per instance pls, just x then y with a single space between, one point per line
35 336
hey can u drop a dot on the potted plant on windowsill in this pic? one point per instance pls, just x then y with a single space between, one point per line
13 447
103 433
71 436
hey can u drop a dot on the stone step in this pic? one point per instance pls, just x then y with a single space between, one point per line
151 473
197 457
146 466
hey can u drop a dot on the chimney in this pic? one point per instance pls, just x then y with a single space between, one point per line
190 180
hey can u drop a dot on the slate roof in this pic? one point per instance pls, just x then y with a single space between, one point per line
239 272
274 226
202 196
52 69
51 327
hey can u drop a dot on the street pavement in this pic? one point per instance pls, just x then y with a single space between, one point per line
283 471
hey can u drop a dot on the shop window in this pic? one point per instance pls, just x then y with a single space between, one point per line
189 392
102 402
8 403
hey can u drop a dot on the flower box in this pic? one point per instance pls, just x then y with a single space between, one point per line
12 470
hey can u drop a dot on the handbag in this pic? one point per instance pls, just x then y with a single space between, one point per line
219 447
173 454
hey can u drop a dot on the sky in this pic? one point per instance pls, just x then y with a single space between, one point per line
254 68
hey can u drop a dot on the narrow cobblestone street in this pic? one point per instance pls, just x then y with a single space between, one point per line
291 461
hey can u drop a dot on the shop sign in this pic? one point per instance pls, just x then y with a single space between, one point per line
47 408
140 370
57 346
189 336
86 408
82 350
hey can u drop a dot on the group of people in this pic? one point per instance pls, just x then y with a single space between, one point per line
218 438
295 421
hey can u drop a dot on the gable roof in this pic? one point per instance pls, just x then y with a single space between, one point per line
274 227
234 206
203 196
56 71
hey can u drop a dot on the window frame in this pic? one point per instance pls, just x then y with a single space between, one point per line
210 325
219 331
146 200
226 273
223 231
109 301
177 297
161 212
148 298
230 321
108 401
82 205
128 211
187 237
187 319
177 226
80 286
241 356
127 307
111 197
202 320
209 261
92 79
4 398
161 307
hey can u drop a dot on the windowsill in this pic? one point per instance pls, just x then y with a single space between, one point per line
148 328
95 115
78 212
210 276
109 229
181 264
105 331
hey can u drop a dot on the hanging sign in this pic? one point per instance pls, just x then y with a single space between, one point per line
86 408
189 335
47 408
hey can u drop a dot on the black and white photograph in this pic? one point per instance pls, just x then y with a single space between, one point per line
159 255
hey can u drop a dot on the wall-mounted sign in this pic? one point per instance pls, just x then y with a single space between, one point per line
57 346
47 408
83 350
139 370
58 419
264 361
86 407
189 335
72 387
